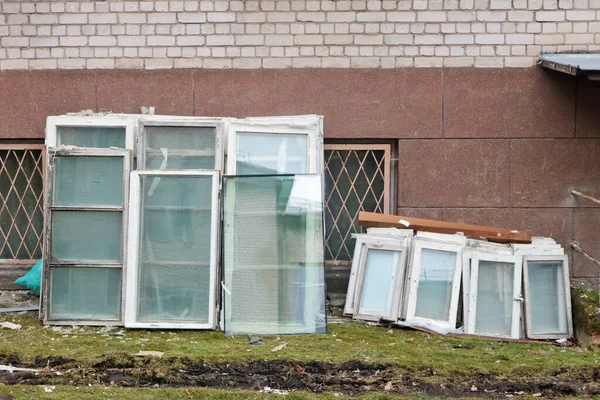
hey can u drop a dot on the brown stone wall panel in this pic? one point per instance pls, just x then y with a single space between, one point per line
586 231
28 97
507 103
171 92
402 103
588 108
551 222
453 173
543 172
427 213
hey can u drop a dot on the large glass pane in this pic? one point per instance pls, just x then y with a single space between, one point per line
273 249
90 236
495 298
547 297
91 136
379 282
85 293
84 180
435 284
174 147
175 244
271 153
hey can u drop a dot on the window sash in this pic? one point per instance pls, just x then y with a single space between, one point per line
310 125
129 122
182 122
134 242
394 293
471 321
527 295
363 240
420 244
50 263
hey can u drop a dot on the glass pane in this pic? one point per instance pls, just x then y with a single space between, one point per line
91 236
273 255
547 297
85 293
175 233
495 298
99 137
174 147
271 153
84 180
380 269
21 214
435 284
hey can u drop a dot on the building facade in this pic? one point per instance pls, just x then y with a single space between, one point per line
433 109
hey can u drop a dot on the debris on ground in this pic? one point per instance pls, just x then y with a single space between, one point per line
277 348
254 339
149 353
9 325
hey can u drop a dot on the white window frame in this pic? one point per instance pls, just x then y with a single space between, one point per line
475 246
470 324
182 122
48 263
361 241
413 285
309 125
566 280
395 290
132 280
130 124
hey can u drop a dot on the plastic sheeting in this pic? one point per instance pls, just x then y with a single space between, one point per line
273 278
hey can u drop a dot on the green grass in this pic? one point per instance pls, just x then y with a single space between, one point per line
103 392
410 350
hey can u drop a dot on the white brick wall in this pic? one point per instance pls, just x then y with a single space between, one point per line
292 33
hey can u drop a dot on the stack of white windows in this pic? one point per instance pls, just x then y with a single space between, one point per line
154 261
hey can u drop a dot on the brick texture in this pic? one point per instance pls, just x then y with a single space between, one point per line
289 34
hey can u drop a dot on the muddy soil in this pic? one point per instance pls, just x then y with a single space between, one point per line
351 378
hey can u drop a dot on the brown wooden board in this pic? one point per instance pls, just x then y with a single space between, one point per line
498 235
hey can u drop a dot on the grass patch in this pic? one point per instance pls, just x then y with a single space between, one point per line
433 355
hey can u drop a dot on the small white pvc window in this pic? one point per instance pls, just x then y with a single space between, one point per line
173 249
179 143
547 297
275 145
362 240
102 131
380 264
434 283
495 296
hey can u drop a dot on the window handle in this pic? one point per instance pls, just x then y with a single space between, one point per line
519 299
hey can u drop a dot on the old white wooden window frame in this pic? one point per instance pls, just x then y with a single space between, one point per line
363 240
50 263
419 244
132 279
183 122
567 290
517 301
309 125
395 283
129 123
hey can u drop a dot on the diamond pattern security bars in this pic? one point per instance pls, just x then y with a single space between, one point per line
21 203
357 178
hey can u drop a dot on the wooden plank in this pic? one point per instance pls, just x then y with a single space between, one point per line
499 235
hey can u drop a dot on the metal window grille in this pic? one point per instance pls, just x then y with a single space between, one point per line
357 178
21 203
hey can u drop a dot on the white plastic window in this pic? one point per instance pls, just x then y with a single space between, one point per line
114 131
